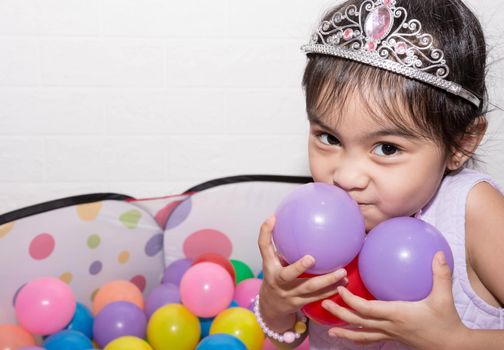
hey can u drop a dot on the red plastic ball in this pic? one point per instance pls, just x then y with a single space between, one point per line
314 311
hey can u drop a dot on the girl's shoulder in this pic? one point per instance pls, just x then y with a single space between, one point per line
484 224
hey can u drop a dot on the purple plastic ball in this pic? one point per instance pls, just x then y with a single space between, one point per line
163 294
173 273
117 319
395 262
320 220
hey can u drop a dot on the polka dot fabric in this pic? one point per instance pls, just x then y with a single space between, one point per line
85 246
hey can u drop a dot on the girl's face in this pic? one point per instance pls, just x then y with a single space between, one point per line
386 171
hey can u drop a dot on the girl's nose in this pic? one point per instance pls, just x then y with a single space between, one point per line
350 175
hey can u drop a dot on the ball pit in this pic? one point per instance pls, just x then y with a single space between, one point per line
142 284
119 322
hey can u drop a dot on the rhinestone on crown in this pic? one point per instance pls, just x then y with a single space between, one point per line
380 34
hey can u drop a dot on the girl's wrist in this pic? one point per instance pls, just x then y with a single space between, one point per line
465 338
295 331
276 321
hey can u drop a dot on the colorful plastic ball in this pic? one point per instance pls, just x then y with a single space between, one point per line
206 289
82 321
45 305
242 270
13 337
221 341
241 323
317 313
219 260
260 275
119 319
118 290
320 220
173 273
173 326
396 260
68 340
128 343
246 291
163 294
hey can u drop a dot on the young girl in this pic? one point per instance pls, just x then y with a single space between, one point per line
396 100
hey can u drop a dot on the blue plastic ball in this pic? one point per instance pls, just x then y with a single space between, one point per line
82 321
220 341
68 340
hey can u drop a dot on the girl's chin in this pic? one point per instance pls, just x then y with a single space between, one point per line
371 223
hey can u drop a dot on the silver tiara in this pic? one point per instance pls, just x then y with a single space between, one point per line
379 34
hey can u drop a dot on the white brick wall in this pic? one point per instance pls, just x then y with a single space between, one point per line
150 97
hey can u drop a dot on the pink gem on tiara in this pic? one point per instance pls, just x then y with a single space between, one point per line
378 23
371 46
347 34
400 48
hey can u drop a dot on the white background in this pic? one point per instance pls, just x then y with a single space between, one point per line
150 97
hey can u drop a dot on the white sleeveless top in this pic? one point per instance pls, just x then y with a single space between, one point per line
446 212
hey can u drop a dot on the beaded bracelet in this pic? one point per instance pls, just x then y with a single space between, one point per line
289 336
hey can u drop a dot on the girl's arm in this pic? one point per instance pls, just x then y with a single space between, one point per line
485 242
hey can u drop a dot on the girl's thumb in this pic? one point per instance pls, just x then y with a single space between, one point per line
441 274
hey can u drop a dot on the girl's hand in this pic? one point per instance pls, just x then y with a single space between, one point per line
282 293
431 323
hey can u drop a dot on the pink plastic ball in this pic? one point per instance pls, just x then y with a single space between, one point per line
246 291
45 305
206 289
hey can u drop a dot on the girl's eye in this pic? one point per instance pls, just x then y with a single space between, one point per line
385 149
328 139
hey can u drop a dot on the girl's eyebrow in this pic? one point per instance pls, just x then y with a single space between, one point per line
389 131
393 132
315 120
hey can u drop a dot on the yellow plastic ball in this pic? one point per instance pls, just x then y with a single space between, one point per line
128 343
241 323
173 326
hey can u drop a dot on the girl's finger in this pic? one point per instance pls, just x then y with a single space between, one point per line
321 284
320 295
362 336
266 248
290 272
368 308
352 317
